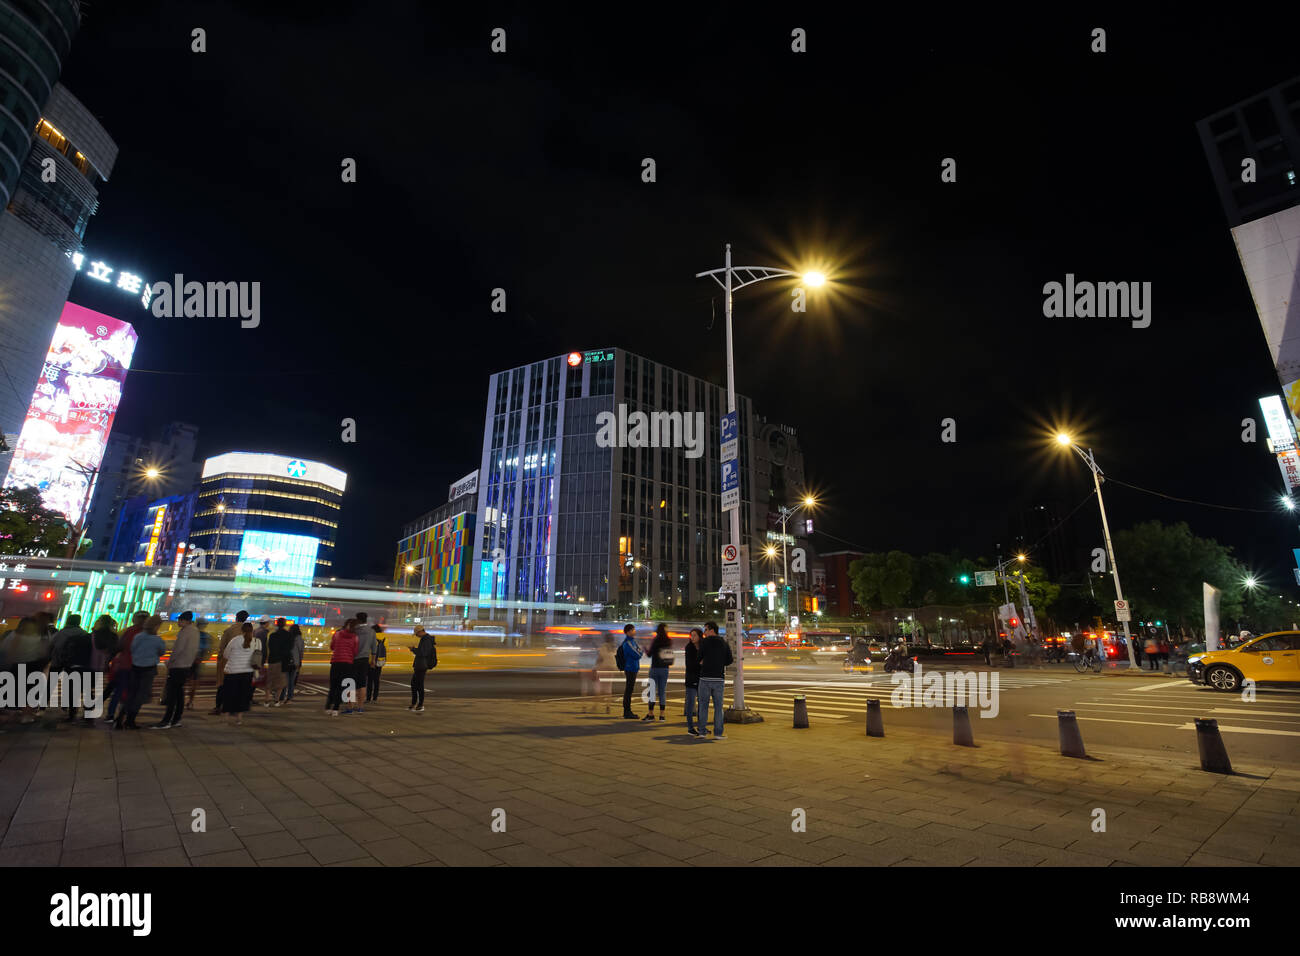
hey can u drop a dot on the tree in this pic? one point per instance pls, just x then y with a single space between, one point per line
883 580
27 526
1162 568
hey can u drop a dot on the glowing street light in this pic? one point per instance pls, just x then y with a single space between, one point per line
732 278
1088 459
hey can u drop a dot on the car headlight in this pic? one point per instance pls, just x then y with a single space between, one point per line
1196 659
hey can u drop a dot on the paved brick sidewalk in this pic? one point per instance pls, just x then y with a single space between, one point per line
293 787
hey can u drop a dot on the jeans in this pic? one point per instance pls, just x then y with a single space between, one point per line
362 675
174 694
372 682
629 684
290 678
711 689
659 680
417 686
339 671
692 705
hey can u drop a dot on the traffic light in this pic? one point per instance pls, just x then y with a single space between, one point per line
1014 622
964 579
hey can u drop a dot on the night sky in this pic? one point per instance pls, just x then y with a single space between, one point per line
523 171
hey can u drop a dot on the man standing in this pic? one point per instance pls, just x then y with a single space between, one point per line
279 659
629 659
715 658
146 650
185 649
70 654
228 635
361 665
262 633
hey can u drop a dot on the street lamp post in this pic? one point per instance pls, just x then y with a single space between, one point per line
786 513
732 279
92 475
1091 462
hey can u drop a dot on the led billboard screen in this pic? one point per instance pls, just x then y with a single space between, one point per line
72 409
280 562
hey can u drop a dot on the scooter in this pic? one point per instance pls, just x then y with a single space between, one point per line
899 661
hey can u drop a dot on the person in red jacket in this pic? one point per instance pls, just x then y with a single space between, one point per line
343 651
119 667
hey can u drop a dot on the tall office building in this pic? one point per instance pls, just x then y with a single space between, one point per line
41 230
575 490
268 516
35 38
122 477
1253 148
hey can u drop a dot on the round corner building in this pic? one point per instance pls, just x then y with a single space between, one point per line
269 518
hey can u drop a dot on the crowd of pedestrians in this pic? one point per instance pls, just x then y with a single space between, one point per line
706 659
250 656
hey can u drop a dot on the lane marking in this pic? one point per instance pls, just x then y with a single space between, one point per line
1249 730
1107 720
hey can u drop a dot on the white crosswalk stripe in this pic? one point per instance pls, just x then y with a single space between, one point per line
1177 704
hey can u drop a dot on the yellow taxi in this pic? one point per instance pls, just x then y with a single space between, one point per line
1270 657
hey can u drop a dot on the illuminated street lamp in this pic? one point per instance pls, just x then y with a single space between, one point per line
1063 439
732 278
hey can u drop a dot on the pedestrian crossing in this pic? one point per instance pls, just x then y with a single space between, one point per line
1176 705
847 699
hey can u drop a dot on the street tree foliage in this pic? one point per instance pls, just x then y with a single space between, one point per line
27 526
1162 567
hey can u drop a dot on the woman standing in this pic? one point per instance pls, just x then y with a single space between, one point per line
693 679
343 651
291 676
378 658
661 658
241 657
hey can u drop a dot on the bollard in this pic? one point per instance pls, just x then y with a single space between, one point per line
1214 758
961 732
1067 726
800 711
875 723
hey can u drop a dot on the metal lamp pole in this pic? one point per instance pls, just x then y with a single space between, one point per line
1091 462
731 279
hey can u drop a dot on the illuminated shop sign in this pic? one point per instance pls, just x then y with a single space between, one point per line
123 281
119 599
275 466
600 355
153 536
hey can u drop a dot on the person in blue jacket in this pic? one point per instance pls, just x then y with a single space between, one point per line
631 652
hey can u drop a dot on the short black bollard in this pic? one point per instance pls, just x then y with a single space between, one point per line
961 732
875 723
800 711
1214 758
1067 726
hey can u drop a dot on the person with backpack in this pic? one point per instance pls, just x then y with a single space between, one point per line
426 656
378 658
693 679
661 658
715 658
73 656
628 658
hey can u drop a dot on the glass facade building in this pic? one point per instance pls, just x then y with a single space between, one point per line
439 547
245 492
570 500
